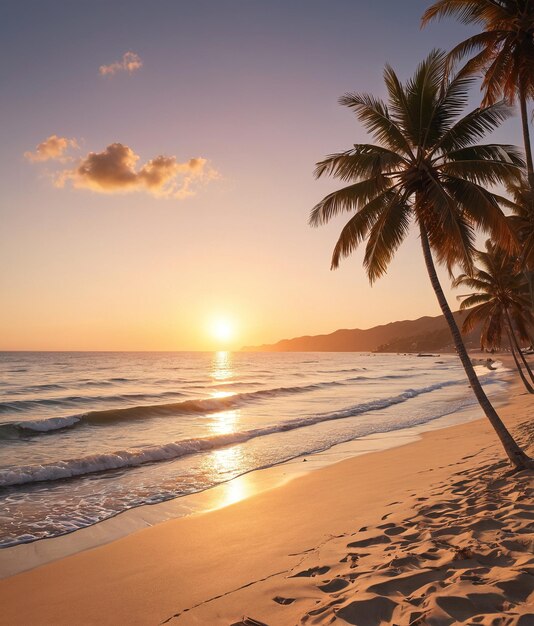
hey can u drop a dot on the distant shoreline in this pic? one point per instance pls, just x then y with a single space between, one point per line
425 334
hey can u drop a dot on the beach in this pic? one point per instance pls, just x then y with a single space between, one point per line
435 531
267 333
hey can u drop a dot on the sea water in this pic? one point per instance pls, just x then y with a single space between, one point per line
85 436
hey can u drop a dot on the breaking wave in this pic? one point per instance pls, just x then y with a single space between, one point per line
150 454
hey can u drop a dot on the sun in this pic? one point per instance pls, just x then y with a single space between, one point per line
222 329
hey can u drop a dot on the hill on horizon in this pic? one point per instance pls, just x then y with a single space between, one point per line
425 334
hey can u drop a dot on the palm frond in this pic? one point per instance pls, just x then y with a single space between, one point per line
450 234
363 161
453 100
374 115
422 97
481 44
476 316
496 77
491 153
483 209
350 198
467 11
398 104
473 299
471 281
357 228
385 236
472 127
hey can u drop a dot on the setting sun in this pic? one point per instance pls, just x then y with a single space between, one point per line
222 329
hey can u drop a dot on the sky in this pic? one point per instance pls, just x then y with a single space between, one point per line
156 164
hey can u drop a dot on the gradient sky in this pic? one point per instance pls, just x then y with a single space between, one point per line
249 85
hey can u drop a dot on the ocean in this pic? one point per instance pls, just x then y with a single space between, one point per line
85 436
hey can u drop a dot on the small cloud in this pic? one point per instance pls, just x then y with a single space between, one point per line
53 148
130 62
114 170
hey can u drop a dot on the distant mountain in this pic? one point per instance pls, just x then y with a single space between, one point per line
426 334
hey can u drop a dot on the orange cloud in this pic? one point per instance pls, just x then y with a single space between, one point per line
130 62
115 170
52 148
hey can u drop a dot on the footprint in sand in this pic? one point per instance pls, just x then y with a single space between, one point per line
311 572
334 585
462 608
406 584
394 530
385 526
249 621
372 541
322 609
369 612
283 601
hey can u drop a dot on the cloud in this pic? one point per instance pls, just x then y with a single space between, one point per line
53 148
130 62
115 170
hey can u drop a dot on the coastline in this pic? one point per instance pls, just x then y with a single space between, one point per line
26 556
227 563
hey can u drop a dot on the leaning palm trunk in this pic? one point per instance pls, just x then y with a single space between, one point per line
526 364
526 136
529 276
530 171
518 364
512 337
524 361
517 457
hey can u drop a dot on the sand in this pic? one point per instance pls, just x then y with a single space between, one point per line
433 532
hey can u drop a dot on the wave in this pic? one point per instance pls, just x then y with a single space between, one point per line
185 407
15 406
150 454
8 429
381 378
37 388
342 371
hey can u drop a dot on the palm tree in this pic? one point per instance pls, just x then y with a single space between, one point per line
499 304
522 222
425 167
503 51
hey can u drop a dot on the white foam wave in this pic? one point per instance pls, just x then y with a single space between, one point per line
150 454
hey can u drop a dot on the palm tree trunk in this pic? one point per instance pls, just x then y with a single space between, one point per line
526 135
517 457
529 275
526 364
530 166
518 364
512 337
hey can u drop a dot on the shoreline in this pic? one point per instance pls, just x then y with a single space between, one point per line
26 556
218 566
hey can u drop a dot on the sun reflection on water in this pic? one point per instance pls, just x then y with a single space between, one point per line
224 423
226 462
221 366
222 394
